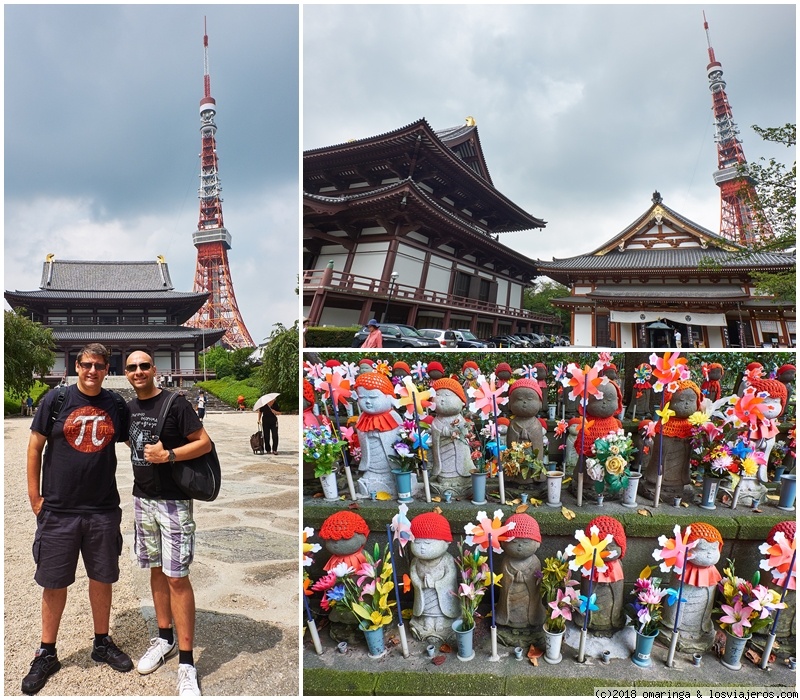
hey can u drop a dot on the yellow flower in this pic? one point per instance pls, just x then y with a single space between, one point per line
750 466
614 449
616 465
698 418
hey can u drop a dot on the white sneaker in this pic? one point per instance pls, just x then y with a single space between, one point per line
187 680
160 650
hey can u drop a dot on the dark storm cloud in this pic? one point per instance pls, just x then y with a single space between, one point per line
102 121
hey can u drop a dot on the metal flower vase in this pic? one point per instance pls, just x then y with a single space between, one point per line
478 488
465 650
710 489
788 492
734 649
552 646
329 488
375 643
402 480
554 480
630 491
644 647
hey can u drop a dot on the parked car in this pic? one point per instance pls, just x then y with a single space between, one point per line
446 339
507 341
466 339
397 335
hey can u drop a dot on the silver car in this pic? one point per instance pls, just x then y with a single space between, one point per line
446 339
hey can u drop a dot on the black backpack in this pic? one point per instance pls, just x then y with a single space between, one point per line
58 404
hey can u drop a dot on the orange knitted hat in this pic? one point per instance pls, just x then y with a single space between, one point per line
502 420
401 365
469 364
431 526
787 527
525 384
343 525
704 531
773 387
685 384
526 527
611 526
375 380
308 391
451 385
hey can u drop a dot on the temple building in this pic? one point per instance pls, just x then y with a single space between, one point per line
404 227
665 273
125 306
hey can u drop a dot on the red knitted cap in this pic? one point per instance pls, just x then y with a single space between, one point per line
502 420
401 365
332 363
786 368
431 526
526 527
755 365
375 380
525 384
366 361
787 527
610 526
343 525
503 367
776 389
452 385
308 391
471 365
435 365
704 531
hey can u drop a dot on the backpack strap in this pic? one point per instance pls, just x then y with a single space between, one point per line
56 409
162 416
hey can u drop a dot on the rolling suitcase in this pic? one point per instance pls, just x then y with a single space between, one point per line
257 443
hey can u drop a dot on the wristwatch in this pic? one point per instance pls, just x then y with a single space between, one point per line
171 454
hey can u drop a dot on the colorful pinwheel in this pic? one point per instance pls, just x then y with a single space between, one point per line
314 371
674 550
420 371
587 547
668 369
560 372
411 397
335 387
483 394
587 603
779 558
745 410
347 369
308 547
528 371
478 535
665 413
401 527
585 380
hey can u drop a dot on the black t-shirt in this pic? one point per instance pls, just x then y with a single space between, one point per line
80 460
268 418
155 480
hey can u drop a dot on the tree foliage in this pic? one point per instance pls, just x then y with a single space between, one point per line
228 363
28 348
279 363
774 208
538 299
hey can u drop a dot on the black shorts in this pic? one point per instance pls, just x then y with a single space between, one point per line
60 537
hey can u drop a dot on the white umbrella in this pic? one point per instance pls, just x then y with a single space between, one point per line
266 400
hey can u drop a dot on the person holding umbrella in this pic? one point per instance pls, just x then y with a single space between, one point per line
268 421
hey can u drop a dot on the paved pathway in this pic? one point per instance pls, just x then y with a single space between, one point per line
244 577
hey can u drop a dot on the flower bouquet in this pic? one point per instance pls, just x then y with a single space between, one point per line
610 467
748 605
321 448
367 591
475 576
521 459
559 593
646 609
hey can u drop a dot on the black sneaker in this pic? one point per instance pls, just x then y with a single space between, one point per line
110 653
43 666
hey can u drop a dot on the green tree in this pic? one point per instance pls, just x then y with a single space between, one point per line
228 363
539 297
279 363
28 348
774 208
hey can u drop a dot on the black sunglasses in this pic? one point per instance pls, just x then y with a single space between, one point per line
99 366
144 366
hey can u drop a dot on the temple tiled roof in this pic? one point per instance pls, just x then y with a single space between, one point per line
46 294
115 276
149 334
668 291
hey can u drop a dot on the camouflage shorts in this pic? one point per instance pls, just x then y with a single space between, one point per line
164 535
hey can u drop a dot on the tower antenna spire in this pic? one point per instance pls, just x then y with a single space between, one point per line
212 239
737 190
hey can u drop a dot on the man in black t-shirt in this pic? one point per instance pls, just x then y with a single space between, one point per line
73 493
164 524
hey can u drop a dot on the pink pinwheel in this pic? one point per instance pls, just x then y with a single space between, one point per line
745 410
478 535
673 552
314 371
334 383
528 371
756 372
585 380
737 617
483 393
411 396
560 372
401 527
779 559
605 357
420 370
667 369
347 369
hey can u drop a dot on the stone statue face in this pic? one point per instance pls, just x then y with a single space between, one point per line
428 549
684 403
605 407
363 368
349 546
447 403
611 374
705 553
771 408
520 548
399 372
788 376
504 375
373 401
715 374
435 374
524 402
470 373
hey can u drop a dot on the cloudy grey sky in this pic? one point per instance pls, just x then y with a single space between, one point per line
102 141
582 110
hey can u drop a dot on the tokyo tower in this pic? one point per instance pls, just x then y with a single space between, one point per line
212 239
737 190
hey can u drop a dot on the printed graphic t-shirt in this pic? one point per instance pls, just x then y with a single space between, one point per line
155 480
80 460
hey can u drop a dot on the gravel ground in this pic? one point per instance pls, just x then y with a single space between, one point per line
245 578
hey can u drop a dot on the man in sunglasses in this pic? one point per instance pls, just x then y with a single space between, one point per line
73 493
164 527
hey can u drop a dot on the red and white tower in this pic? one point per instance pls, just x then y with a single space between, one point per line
737 191
212 239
